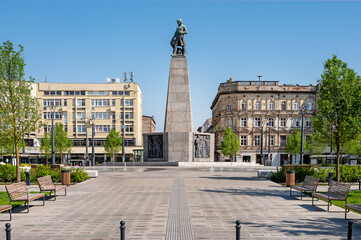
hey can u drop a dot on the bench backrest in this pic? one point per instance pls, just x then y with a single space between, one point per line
16 190
45 181
339 189
311 182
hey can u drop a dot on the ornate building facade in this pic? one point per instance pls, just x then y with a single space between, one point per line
262 114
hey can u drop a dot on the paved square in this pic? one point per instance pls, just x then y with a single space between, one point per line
180 204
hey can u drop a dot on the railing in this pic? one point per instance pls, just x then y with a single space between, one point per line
122 230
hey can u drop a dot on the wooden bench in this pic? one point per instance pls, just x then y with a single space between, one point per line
47 185
354 207
309 185
4 208
336 191
18 192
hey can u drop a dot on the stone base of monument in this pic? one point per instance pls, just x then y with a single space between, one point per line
178 147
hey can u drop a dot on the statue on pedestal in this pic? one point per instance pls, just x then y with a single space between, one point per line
178 42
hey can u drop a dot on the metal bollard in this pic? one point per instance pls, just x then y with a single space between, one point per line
27 178
238 230
330 178
349 230
122 230
8 230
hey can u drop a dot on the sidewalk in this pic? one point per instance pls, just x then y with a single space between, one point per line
179 203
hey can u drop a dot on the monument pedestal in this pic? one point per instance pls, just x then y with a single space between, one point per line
178 143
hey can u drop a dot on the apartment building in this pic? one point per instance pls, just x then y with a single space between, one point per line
107 105
262 114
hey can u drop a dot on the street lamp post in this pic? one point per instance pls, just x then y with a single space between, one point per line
302 130
92 120
269 143
86 141
52 110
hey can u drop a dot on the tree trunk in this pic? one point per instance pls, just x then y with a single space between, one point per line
338 162
18 178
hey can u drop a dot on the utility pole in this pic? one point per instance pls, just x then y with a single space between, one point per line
93 134
269 143
302 129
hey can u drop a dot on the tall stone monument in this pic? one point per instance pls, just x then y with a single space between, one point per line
178 143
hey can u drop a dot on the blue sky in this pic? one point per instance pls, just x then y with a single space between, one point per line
86 41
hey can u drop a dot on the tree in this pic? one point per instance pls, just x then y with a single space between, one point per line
352 147
315 145
293 144
45 146
19 110
338 118
61 141
229 143
113 144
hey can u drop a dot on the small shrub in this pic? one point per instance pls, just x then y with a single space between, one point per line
78 174
322 173
349 173
7 173
301 173
279 176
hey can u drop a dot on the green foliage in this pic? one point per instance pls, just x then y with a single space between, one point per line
113 144
301 173
279 176
61 141
322 173
7 173
78 175
45 146
42 171
229 143
19 109
293 144
349 173
338 118
352 147
315 144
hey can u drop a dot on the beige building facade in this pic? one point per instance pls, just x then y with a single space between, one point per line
106 105
262 112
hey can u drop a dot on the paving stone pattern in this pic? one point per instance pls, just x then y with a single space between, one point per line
175 203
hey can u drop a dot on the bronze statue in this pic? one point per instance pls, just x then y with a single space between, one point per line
178 42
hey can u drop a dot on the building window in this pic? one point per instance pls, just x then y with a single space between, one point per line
79 115
100 102
102 128
243 140
297 105
229 123
72 93
257 122
283 122
81 128
258 105
271 105
128 102
79 102
244 105
296 122
65 117
309 106
65 102
47 128
47 115
272 140
229 106
51 102
271 122
257 140
127 115
100 115
308 122
120 93
243 122
129 128
283 105
283 139
98 93
113 102
46 93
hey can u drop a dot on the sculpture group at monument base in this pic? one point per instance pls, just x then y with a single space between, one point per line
178 147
